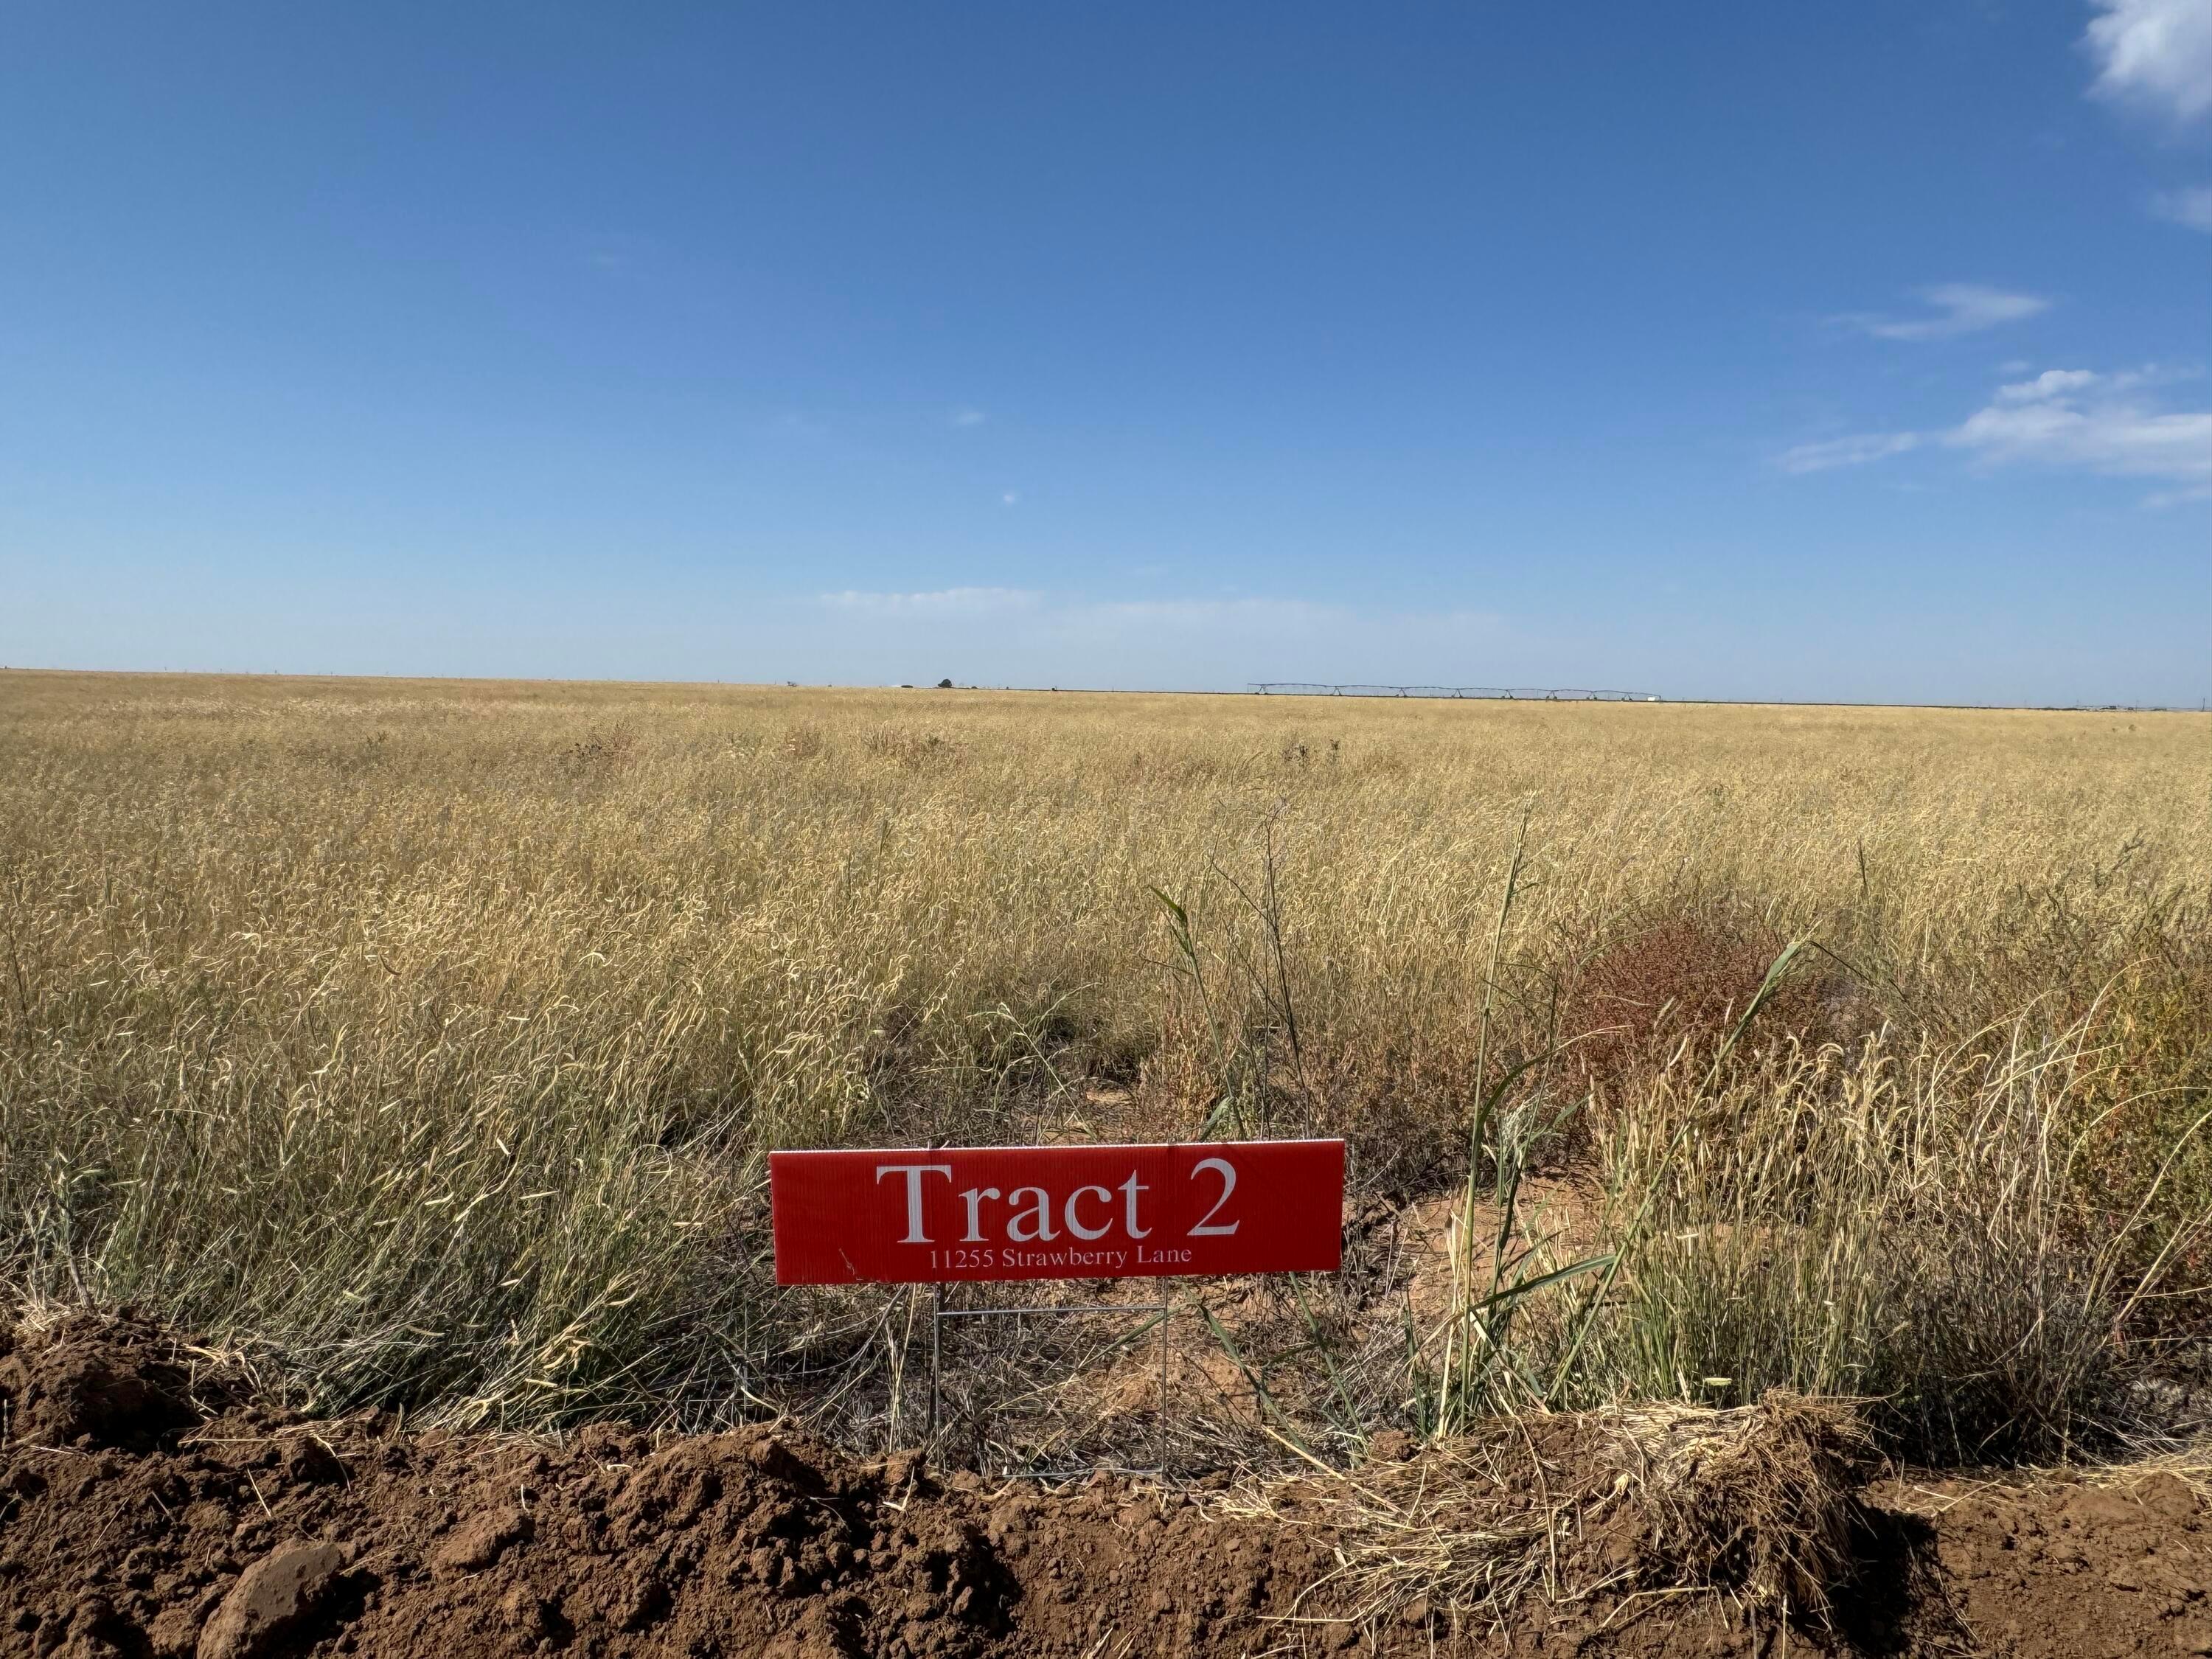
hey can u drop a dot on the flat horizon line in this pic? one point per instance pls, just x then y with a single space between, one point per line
1638 699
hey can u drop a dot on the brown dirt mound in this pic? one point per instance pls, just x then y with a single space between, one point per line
108 1380
144 1513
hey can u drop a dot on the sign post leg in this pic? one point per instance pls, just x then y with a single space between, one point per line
936 1324
1166 1309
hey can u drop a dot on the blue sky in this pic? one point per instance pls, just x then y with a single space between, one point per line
1757 350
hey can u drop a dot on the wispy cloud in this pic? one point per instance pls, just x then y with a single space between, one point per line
2192 207
2057 382
1853 451
617 252
968 417
939 602
1953 308
1274 637
2157 54
1090 614
1232 616
2079 421
2072 420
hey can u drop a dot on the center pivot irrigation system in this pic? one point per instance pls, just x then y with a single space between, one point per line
1507 693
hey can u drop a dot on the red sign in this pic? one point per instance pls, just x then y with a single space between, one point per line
975 1213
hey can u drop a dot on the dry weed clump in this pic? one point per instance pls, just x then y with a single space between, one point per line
433 1035
1759 1503
1685 978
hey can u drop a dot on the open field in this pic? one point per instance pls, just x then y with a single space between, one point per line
416 1047
431 1034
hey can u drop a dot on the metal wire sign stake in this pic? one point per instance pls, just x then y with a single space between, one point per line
939 1313
946 1215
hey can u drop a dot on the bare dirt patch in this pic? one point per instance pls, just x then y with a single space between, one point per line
147 1508
2118 1562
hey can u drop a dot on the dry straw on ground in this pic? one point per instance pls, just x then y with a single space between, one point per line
427 1037
1758 1503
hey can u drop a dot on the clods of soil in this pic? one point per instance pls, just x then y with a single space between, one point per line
2068 1569
147 1508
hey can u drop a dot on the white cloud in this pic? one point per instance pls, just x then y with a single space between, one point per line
2068 420
1955 308
2077 420
1095 616
1009 498
1853 451
942 602
2156 53
969 417
1244 616
2192 207
2052 383
1073 639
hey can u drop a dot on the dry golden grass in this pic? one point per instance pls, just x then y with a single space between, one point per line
1761 1503
432 1032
